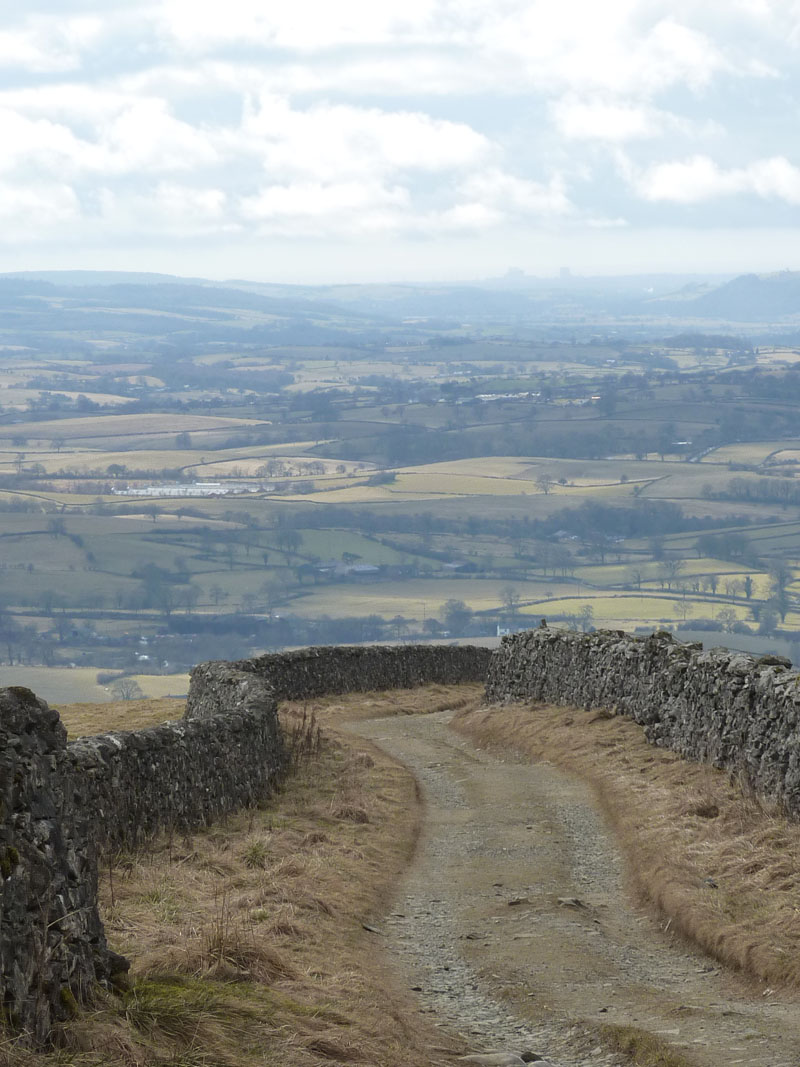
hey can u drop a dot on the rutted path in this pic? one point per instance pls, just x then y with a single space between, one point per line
513 926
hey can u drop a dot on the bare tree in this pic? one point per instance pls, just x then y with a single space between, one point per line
127 689
510 599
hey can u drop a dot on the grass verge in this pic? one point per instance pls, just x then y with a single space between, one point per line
719 866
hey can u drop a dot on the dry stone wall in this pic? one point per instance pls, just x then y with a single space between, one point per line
312 672
52 946
736 711
179 776
62 805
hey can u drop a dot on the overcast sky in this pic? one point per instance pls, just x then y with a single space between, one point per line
325 140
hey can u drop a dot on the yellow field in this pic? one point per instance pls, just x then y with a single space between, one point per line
163 685
755 452
424 484
635 609
768 356
73 685
123 426
482 467
356 494
616 573
784 454
417 598
19 397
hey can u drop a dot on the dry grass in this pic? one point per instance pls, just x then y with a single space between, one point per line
644 1049
331 711
722 868
248 941
86 720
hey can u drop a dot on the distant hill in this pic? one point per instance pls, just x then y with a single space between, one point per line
88 306
101 277
761 298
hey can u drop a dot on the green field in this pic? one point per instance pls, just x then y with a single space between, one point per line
385 478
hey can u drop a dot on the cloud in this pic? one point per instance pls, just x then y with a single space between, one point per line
445 46
44 44
512 196
700 179
31 213
595 120
133 137
341 140
304 25
359 121
167 209
311 208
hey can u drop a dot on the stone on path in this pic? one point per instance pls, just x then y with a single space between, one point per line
505 1059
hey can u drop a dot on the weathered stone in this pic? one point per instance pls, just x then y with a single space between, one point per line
61 804
52 947
311 672
731 709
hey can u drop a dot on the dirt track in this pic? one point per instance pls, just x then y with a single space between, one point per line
514 927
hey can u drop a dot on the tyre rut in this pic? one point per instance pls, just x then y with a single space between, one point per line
513 927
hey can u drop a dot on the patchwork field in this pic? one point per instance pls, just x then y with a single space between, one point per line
362 484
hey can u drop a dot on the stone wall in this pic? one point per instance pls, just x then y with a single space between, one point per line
52 946
312 672
178 776
734 710
61 805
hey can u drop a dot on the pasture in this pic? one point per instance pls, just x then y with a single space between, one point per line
465 482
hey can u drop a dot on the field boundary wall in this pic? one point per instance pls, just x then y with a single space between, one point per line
64 805
736 711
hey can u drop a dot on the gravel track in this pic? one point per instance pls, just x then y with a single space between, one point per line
513 927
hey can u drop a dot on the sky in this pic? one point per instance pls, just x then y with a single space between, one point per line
307 141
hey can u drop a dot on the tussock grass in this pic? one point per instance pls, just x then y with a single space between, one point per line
247 940
721 867
644 1049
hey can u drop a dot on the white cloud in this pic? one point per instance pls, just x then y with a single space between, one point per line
168 208
144 137
350 207
699 179
304 25
595 120
45 44
613 121
514 196
218 121
464 218
125 136
341 140
29 212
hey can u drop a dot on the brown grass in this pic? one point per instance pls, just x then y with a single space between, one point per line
331 711
248 940
86 720
644 1049
722 868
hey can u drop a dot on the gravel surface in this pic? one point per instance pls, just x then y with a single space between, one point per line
513 927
